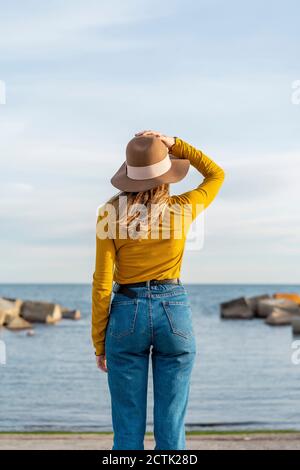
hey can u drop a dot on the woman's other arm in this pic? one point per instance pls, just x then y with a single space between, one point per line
203 194
102 288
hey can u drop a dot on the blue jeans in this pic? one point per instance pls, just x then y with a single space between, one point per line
160 316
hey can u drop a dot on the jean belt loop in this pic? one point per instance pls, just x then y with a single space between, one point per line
148 284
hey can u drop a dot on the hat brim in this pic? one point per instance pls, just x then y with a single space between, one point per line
177 172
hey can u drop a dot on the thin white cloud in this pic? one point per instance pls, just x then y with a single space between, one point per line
56 25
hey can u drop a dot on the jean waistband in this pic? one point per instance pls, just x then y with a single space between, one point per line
161 290
152 282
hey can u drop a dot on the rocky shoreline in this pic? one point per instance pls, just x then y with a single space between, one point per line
17 314
277 310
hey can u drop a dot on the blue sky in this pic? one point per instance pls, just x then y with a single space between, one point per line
83 76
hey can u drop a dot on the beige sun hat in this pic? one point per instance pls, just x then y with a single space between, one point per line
148 164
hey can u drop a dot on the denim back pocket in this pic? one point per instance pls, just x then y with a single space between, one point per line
179 315
122 317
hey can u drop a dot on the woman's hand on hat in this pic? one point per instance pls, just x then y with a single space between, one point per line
168 141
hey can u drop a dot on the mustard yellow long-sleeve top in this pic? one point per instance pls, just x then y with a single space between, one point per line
130 260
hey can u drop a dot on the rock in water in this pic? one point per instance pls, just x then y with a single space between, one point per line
18 323
30 333
236 309
41 312
9 308
2 318
253 302
296 325
279 317
265 307
70 314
